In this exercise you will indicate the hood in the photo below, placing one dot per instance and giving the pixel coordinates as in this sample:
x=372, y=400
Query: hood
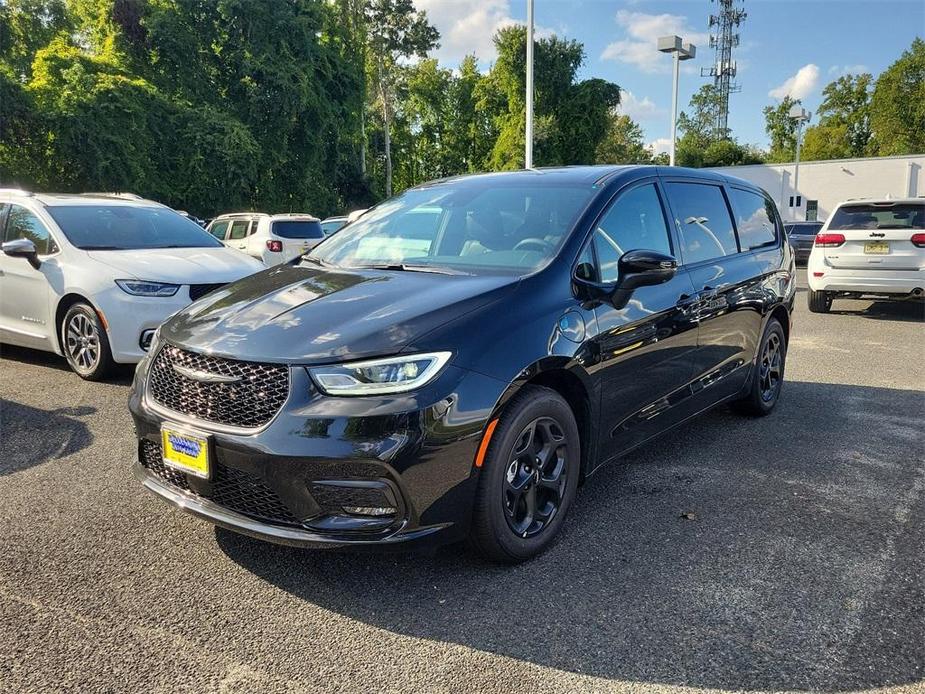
x=180, y=265
x=311, y=315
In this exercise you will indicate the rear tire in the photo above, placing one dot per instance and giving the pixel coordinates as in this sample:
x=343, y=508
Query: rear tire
x=85, y=343
x=819, y=302
x=529, y=477
x=768, y=376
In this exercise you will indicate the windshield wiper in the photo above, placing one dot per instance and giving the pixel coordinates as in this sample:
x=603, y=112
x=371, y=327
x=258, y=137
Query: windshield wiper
x=406, y=267
x=102, y=248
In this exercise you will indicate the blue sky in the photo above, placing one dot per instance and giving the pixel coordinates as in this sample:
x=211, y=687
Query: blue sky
x=787, y=46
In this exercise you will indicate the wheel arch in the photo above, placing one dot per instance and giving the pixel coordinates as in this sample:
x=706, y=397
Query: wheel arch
x=65, y=303
x=570, y=381
x=782, y=315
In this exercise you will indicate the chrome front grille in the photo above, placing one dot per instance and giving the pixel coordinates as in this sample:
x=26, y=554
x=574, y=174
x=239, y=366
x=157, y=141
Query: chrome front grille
x=224, y=391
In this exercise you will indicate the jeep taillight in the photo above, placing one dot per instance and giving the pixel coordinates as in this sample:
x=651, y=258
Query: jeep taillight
x=275, y=246
x=830, y=240
x=918, y=240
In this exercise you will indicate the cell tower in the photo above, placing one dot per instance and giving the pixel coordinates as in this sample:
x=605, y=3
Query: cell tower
x=723, y=38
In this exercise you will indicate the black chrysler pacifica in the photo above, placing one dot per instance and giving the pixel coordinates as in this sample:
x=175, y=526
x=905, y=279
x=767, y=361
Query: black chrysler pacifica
x=455, y=363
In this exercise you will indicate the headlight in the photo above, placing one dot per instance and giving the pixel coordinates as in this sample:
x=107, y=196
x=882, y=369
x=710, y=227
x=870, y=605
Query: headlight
x=379, y=376
x=145, y=288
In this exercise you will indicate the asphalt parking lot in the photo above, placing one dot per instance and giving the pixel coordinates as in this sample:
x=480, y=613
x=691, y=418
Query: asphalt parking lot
x=786, y=553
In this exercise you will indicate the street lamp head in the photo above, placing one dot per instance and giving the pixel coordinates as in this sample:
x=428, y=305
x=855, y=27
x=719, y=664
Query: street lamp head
x=669, y=44
x=688, y=51
x=798, y=113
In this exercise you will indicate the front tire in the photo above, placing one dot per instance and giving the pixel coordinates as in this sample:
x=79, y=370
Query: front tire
x=529, y=477
x=85, y=343
x=819, y=302
x=768, y=377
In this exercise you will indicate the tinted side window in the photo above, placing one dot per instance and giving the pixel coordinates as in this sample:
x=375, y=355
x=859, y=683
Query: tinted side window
x=634, y=221
x=218, y=230
x=238, y=230
x=22, y=224
x=703, y=221
x=754, y=218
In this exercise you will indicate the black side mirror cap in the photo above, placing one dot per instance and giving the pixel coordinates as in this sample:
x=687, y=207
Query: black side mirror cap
x=642, y=268
x=22, y=248
x=638, y=268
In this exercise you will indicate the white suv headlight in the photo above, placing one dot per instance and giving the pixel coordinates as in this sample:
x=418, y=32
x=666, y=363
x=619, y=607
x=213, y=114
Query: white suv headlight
x=146, y=288
x=379, y=376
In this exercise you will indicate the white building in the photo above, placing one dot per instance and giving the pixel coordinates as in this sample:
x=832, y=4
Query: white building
x=823, y=184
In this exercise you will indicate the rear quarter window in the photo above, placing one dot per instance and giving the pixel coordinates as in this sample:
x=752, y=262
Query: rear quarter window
x=755, y=219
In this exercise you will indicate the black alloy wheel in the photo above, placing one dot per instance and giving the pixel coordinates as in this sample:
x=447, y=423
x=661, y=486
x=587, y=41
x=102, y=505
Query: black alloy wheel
x=770, y=367
x=767, y=379
x=529, y=477
x=535, y=478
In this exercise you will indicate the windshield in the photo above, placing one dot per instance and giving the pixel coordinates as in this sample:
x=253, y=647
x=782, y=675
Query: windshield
x=803, y=229
x=879, y=216
x=466, y=224
x=124, y=227
x=298, y=229
x=329, y=226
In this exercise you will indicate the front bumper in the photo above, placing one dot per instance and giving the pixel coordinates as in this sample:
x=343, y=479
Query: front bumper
x=290, y=481
x=295, y=537
x=129, y=316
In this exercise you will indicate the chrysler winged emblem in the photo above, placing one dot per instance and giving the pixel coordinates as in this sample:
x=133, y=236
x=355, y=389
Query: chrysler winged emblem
x=203, y=376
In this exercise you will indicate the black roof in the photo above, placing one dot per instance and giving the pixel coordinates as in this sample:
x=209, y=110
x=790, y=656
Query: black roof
x=600, y=174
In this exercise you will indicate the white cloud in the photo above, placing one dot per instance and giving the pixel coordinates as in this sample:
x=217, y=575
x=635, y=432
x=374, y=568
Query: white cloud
x=661, y=145
x=800, y=85
x=841, y=70
x=467, y=26
x=638, y=109
x=642, y=31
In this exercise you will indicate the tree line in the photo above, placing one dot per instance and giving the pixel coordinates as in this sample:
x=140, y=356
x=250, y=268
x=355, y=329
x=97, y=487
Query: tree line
x=859, y=116
x=216, y=105
x=320, y=106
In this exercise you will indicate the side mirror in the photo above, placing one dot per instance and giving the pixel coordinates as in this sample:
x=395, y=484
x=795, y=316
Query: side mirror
x=639, y=268
x=22, y=248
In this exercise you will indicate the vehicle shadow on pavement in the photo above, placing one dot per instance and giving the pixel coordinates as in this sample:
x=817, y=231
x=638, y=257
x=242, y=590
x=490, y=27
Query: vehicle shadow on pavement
x=121, y=375
x=31, y=436
x=768, y=554
x=907, y=311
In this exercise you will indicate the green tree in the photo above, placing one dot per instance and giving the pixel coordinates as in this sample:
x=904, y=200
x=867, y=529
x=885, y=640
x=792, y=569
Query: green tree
x=623, y=143
x=699, y=145
x=25, y=27
x=781, y=130
x=844, y=121
x=395, y=31
x=570, y=118
x=897, y=106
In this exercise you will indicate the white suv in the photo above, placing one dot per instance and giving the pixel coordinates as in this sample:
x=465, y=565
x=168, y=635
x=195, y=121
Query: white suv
x=870, y=247
x=272, y=239
x=91, y=277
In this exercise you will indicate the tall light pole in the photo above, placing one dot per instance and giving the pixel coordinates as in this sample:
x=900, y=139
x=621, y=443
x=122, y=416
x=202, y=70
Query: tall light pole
x=800, y=115
x=528, y=153
x=681, y=51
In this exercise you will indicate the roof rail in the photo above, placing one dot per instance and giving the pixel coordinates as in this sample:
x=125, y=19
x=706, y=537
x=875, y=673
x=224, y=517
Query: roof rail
x=123, y=196
x=16, y=191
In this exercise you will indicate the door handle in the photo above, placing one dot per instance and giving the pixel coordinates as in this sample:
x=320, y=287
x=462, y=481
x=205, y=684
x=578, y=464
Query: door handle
x=707, y=292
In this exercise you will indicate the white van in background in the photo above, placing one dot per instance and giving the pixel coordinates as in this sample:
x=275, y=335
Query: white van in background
x=91, y=277
x=271, y=239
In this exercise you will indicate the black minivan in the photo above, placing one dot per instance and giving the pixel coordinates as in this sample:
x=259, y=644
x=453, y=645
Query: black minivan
x=456, y=362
